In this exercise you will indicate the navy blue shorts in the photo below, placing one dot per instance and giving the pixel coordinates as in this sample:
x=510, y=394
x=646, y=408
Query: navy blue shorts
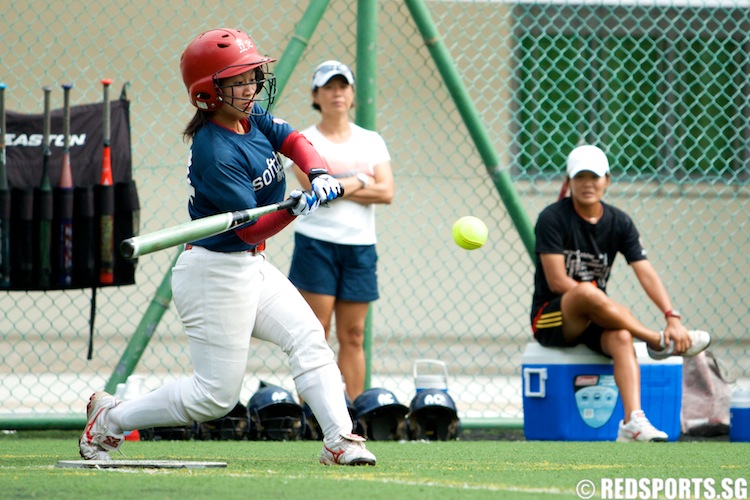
x=347, y=272
x=547, y=326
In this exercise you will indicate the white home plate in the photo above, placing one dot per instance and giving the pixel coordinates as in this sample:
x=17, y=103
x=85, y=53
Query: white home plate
x=137, y=464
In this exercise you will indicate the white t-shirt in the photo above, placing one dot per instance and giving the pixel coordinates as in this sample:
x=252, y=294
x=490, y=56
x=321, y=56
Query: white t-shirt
x=344, y=221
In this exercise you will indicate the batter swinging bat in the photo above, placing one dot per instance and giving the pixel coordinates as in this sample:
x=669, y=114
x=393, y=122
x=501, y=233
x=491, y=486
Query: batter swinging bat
x=136, y=246
x=107, y=200
x=4, y=200
x=45, y=201
x=66, y=199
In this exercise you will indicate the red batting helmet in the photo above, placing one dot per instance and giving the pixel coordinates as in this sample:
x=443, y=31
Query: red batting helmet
x=216, y=54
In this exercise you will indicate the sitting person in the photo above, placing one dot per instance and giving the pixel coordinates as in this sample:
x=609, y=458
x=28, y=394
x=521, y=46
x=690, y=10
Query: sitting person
x=577, y=239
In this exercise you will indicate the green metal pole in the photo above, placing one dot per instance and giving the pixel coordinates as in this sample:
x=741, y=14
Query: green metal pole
x=298, y=43
x=367, y=32
x=366, y=113
x=144, y=332
x=452, y=79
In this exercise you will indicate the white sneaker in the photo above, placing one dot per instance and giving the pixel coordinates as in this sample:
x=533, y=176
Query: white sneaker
x=700, y=341
x=348, y=449
x=97, y=439
x=639, y=428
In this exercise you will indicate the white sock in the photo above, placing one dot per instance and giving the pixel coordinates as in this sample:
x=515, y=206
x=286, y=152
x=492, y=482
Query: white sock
x=159, y=408
x=321, y=388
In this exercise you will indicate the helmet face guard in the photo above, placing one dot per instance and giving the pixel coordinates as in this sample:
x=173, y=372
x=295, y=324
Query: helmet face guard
x=219, y=54
x=384, y=424
x=433, y=416
x=265, y=90
x=280, y=422
x=380, y=416
x=433, y=424
x=274, y=414
x=231, y=427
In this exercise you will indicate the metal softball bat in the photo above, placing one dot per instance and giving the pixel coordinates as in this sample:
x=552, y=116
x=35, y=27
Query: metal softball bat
x=197, y=229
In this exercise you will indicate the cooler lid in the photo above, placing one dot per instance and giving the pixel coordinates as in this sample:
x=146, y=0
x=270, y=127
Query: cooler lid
x=740, y=398
x=536, y=354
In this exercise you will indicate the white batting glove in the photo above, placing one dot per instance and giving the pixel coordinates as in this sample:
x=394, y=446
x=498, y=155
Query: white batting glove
x=307, y=202
x=327, y=188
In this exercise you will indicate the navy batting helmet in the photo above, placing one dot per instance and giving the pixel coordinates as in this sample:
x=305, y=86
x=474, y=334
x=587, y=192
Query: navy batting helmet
x=232, y=426
x=274, y=414
x=433, y=416
x=380, y=415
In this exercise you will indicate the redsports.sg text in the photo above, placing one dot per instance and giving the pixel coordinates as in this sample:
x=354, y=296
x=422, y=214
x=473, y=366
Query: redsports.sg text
x=624, y=488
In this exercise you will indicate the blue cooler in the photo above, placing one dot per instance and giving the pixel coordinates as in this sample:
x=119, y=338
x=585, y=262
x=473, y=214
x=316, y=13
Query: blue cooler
x=569, y=394
x=739, y=416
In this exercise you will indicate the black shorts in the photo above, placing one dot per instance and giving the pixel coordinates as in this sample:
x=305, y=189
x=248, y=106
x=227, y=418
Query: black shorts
x=546, y=323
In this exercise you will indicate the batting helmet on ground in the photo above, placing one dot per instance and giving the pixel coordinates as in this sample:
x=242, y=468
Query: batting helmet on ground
x=381, y=416
x=274, y=414
x=232, y=426
x=433, y=416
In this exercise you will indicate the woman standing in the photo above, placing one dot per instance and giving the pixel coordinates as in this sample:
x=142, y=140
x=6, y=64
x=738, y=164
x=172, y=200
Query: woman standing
x=334, y=264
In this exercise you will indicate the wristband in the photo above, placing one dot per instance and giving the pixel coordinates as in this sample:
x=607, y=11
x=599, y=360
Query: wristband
x=362, y=178
x=672, y=313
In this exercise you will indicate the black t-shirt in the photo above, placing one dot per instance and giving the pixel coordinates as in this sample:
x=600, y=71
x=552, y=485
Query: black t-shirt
x=589, y=249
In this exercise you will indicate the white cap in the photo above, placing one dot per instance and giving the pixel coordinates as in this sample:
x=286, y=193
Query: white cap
x=588, y=158
x=327, y=70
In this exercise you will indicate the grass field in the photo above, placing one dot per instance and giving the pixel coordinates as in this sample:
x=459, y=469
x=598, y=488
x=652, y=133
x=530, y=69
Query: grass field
x=496, y=469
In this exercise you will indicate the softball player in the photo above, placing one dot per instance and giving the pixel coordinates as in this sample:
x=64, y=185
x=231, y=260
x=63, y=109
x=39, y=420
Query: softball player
x=223, y=287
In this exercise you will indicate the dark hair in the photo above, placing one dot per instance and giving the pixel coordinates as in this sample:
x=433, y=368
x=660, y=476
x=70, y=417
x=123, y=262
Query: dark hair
x=199, y=119
x=315, y=105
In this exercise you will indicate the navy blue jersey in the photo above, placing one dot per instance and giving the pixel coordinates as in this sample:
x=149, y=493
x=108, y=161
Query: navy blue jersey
x=589, y=249
x=230, y=171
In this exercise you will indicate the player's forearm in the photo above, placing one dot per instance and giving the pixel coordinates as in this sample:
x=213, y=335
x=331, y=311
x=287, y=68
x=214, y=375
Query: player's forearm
x=373, y=193
x=267, y=226
x=652, y=285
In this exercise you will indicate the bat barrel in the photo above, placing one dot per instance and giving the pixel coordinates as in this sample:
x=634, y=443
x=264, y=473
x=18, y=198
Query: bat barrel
x=106, y=82
x=136, y=246
x=66, y=113
x=198, y=229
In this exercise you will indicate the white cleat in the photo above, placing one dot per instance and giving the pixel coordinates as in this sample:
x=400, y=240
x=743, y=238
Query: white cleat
x=97, y=439
x=348, y=449
x=639, y=429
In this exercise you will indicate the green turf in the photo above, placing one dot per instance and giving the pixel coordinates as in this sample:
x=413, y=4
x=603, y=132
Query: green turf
x=413, y=470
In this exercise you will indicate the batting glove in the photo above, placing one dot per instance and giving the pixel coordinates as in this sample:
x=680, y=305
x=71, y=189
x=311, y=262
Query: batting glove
x=327, y=188
x=307, y=202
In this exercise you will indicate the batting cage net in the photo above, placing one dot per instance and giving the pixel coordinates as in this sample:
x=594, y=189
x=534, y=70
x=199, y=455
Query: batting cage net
x=479, y=103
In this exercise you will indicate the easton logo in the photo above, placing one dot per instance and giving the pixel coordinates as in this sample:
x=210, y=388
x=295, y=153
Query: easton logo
x=36, y=140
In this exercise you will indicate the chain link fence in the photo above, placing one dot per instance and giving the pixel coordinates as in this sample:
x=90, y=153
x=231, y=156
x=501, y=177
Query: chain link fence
x=662, y=87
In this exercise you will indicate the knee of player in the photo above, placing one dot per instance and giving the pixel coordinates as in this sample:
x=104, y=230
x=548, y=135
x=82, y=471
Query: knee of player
x=214, y=408
x=623, y=338
x=587, y=292
x=619, y=343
